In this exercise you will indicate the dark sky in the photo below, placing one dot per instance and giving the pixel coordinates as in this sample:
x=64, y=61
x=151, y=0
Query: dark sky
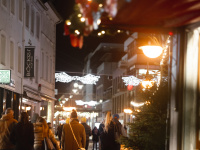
x=71, y=59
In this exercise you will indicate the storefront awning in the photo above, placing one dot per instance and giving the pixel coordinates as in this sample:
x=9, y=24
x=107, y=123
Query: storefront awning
x=137, y=15
x=32, y=96
x=47, y=97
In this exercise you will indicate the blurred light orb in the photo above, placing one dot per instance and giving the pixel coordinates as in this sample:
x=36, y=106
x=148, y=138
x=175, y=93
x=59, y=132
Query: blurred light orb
x=147, y=84
x=152, y=51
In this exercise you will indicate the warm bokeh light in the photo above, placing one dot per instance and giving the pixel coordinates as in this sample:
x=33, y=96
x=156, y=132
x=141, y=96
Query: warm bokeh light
x=68, y=22
x=69, y=108
x=128, y=111
x=82, y=19
x=99, y=21
x=147, y=84
x=79, y=15
x=152, y=51
x=137, y=104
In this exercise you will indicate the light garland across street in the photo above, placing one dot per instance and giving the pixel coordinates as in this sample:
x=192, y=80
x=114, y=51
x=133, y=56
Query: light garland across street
x=131, y=80
x=87, y=79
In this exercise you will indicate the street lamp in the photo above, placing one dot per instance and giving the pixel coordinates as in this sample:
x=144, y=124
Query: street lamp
x=152, y=51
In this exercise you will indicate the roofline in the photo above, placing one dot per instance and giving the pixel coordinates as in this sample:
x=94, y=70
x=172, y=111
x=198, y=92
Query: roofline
x=56, y=12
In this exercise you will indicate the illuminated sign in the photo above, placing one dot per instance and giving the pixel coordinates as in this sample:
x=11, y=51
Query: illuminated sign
x=5, y=76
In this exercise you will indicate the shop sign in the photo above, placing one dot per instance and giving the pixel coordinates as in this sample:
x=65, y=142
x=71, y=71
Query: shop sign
x=29, y=62
x=5, y=76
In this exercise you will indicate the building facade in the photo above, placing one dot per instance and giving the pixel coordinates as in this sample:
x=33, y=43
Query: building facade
x=28, y=39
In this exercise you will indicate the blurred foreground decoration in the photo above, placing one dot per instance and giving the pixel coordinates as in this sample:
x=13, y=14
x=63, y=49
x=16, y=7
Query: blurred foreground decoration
x=129, y=16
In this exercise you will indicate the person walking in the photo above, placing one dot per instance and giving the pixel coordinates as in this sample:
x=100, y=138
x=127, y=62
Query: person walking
x=73, y=134
x=119, y=129
x=95, y=137
x=87, y=131
x=22, y=135
x=7, y=122
x=59, y=132
x=107, y=136
x=42, y=131
x=101, y=129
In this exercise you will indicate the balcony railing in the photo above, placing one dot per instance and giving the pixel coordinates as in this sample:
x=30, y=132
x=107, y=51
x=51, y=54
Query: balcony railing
x=123, y=64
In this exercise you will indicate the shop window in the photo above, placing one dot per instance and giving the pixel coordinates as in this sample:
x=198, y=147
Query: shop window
x=37, y=25
x=47, y=69
x=51, y=65
x=43, y=66
x=32, y=20
x=4, y=2
x=27, y=15
x=19, y=60
x=36, y=73
x=11, y=55
x=12, y=6
x=20, y=9
x=3, y=49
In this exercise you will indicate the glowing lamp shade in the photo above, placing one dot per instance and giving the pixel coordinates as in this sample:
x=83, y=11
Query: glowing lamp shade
x=152, y=51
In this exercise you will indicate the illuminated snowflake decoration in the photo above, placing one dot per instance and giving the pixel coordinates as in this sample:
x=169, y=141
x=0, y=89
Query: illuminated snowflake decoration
x=89, y=79
x=131, y=80
x=63, y=77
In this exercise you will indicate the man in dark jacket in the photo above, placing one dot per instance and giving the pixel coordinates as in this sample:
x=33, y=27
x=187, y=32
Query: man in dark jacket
x=7, y=122
x=59, y=132
x=87, y=131
x=118, y=128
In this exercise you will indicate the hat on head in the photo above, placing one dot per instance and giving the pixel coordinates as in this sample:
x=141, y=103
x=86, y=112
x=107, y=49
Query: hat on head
x=73, y=114
x=116, y=116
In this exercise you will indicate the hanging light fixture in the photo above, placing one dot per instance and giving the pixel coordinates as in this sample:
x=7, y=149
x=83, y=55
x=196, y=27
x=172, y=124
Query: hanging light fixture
x=151, y=51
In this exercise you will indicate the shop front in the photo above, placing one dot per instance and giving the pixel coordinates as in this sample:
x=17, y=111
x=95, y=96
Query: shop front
x=185, y=89
x=9, y=98
x=37, y=103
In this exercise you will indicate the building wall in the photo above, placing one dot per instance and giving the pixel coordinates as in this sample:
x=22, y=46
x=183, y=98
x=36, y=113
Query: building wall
x=29, y=23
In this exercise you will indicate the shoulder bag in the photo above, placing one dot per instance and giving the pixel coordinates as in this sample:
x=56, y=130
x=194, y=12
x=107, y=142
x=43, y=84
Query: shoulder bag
x=48, y=143
x=75, y=138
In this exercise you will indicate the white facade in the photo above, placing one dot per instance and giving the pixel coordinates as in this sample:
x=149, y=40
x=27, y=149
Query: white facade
x=29, y=23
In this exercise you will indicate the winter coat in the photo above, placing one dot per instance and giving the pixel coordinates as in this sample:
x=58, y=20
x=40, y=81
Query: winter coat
x=108, y=138
x=59, y=131
x=40, y=132
x=23, y=136
x=7, y=123
x=88, y=131
x=95, y=135
x=67, y=139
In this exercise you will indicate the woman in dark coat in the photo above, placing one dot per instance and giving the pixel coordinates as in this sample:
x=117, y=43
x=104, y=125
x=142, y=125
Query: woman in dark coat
x=107, y=136
x=22, y=135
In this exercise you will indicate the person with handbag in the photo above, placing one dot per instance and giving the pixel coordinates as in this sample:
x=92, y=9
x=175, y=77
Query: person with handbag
x=44, y=138
x=73, y=134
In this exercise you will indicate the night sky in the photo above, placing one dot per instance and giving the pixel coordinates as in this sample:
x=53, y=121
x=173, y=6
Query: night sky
x=69, y=59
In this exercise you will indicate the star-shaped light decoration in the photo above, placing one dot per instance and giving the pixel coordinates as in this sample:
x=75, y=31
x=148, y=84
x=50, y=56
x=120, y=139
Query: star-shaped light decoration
x=131, y=80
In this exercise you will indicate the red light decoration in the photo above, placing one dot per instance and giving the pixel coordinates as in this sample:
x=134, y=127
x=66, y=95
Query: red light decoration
x=130, y=87
x=171, y=33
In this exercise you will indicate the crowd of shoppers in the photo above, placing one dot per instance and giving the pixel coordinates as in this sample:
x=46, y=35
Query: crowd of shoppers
x=26, y=135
